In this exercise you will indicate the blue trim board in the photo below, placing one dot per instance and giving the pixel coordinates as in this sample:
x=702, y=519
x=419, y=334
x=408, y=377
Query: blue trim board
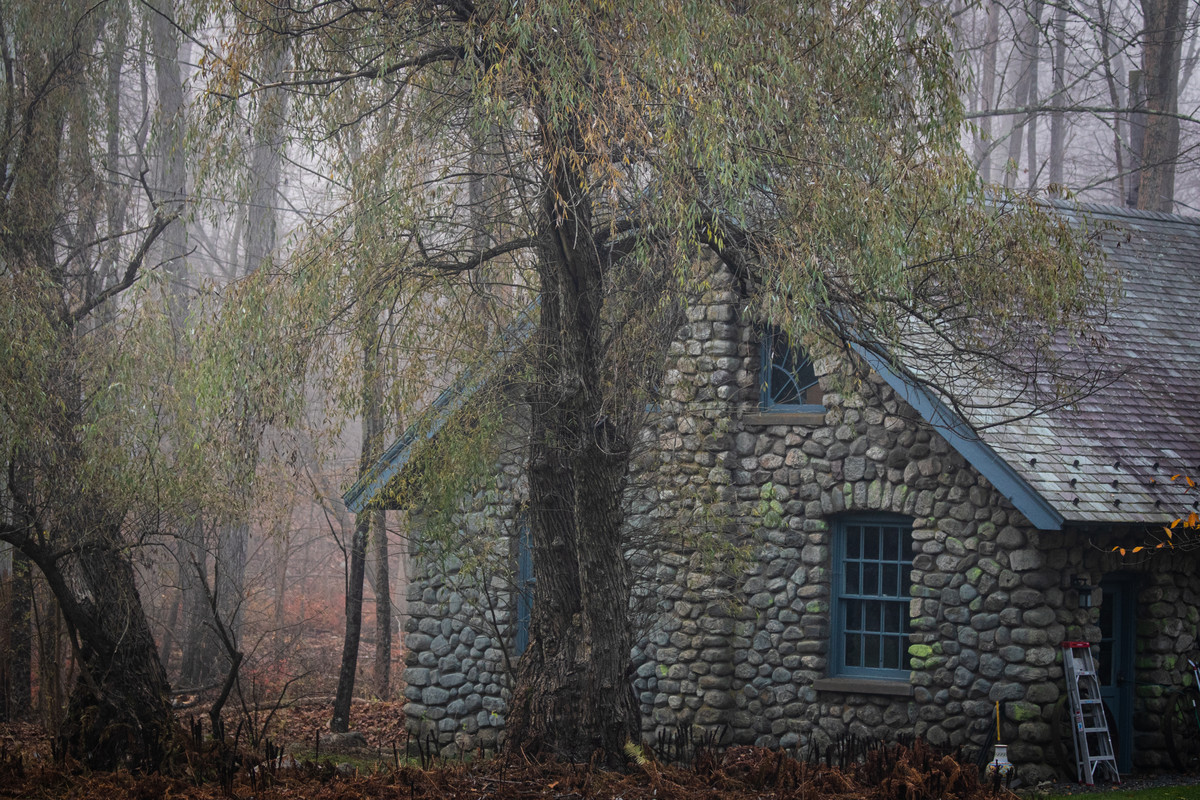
x=400, y=453
x=434, y=418
x=978, y=454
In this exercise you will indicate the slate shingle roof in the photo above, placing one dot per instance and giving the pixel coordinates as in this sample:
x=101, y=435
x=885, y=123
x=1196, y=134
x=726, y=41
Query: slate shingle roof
x=1107, y=460
x=1110, y=458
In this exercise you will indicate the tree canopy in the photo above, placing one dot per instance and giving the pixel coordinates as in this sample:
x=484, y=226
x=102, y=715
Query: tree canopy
x=586, y=153
x=472, y=158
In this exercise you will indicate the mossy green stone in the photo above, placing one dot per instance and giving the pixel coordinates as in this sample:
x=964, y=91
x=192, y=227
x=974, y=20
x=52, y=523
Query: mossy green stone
x=1162, y=610
x=1022, y=711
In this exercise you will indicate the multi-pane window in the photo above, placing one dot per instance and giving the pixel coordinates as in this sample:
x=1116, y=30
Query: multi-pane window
x=872, y=568
x=789, y=382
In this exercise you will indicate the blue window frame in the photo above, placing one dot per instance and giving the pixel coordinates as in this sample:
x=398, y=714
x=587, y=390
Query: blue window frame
x=789, y=382
x=525, y=582
x=872, y=557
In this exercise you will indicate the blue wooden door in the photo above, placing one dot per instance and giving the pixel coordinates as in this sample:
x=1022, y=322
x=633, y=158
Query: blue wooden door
x=525, y=581
x=1118, y=606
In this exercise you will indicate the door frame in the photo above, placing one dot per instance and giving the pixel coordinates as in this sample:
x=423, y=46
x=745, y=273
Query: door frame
x=1119, y=646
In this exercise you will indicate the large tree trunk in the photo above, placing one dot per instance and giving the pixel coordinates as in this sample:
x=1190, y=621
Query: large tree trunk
x=1058, y=122
x=233, y=541
x=265, y=175
x=987, y=92
x=1025, y=91
x=18, y=652
x=1162, y=42
x=1112, y=76
x=119, y=713
x=354, y=597
x=572, y=696
x=383, y=605
x=172, y=168
x=377, y=520
x=63, y=518
x=283, y=555
x=1034, y=167
x=358, y=547
x=199, y=662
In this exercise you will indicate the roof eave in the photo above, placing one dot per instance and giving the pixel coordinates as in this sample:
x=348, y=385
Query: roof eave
x=963, y=439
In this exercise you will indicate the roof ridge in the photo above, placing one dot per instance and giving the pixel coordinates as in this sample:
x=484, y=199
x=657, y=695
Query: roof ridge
x=1120, y=211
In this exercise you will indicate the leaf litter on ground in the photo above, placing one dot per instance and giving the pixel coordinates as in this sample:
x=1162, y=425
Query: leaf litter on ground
x=895, y=772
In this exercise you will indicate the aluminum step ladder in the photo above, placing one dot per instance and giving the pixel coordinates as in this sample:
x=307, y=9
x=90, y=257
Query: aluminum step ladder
x=1093, y=744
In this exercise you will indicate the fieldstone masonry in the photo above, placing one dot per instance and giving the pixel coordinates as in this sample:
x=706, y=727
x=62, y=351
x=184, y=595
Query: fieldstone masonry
x=462, y=612
x=729, y=515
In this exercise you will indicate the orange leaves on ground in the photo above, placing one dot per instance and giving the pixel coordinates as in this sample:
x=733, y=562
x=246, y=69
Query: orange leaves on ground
x=892, y=772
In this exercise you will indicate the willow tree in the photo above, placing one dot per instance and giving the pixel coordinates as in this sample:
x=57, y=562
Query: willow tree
x=594, y=149
x=109, y=437
x=70, y=422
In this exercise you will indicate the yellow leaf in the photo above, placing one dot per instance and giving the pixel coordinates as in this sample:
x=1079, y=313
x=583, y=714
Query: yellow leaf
x=1139, y=547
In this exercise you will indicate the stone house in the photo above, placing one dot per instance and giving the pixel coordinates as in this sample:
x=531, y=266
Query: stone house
x=892, y=572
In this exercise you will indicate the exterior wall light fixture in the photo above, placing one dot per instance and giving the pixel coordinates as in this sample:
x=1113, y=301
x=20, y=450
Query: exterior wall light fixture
x=1080, y=585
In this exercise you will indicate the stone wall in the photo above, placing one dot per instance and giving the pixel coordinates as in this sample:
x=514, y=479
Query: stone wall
x=1168, y=627
x=729, y=515
x=461, y=619
x=1167, y=616
x=749, y=655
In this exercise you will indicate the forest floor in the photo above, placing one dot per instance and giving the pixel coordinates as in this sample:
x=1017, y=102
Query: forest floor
x=299, y=770
x=382, y=771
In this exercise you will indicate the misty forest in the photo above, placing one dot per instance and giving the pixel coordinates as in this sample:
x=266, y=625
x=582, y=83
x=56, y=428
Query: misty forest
x=246, y=246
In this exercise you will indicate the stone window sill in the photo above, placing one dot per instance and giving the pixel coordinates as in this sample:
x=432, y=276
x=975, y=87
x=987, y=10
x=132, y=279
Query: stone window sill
x=783, y=418
x=864, y=686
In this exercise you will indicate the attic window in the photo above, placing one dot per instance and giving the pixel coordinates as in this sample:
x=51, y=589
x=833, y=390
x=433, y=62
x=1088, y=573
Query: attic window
x=788, y=380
